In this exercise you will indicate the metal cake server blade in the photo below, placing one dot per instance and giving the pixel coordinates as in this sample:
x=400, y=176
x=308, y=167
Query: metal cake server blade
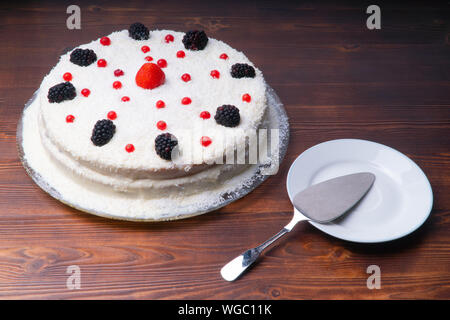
x=322, y=202
x=328, y=200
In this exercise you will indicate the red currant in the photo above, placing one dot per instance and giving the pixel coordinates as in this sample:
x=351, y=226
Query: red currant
x=205, y=115
x=125, y=99
x=117, y=84
x=67, y=76
x=186, y=77
x=101, y=63
x=148, y=58
x=129, y=148
x=85, y=92
x=161, y=125
x=112, y=115
x=70, y=118
x=205, y=141
x=181, y=54
x=246, y=97
x=215, y=74
x=162, y=63
x=186, y=100
x=224, y=56
x=145, y=49
x=105, y=41
x=160, y=104
x=169, y=38
x=118, y=72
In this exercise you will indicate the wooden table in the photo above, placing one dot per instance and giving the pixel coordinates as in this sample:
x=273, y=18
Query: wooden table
x=337, y=79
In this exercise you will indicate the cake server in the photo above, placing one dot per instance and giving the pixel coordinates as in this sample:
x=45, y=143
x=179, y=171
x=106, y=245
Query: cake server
x=322, y=203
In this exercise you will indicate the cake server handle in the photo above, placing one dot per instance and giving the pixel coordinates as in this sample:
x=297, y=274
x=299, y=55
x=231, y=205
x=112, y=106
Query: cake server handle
x=233, y=269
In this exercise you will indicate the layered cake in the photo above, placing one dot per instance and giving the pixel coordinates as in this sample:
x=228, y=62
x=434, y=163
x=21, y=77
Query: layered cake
x=141, y=109
x=152, y=125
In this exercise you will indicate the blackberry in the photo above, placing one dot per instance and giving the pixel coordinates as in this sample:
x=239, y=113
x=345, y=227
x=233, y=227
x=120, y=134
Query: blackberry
x=103, y=132
x=242, y=70
x=138, y=31
x=195, y=40
x=227, y=116
x=60, y=92
x=83, y=57
x=164, y=144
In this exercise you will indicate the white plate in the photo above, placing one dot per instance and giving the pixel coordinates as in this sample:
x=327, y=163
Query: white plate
x=398, y=203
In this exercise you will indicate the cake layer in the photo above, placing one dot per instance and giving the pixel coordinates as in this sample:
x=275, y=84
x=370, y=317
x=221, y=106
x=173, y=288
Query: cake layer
x=136, y=121
x=185, y=185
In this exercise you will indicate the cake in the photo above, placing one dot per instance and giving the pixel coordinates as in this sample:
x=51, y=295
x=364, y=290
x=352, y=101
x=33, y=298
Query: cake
x=116, y=110
x=152, y=125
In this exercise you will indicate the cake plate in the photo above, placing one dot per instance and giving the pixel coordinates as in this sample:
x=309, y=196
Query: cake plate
x=245, y=183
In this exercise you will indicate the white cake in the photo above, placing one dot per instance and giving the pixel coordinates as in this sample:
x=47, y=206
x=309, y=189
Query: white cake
x=129, y=160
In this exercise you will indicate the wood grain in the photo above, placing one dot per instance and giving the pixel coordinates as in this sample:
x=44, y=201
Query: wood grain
x=337, y=80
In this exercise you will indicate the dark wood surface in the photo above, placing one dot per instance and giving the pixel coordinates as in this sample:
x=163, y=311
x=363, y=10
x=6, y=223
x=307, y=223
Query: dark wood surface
x=337, y=79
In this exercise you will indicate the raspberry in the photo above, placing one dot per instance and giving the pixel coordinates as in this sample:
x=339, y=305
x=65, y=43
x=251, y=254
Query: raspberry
x=227, y=116
x=150, y=76
x=138, y=31
x=165, y=143
x=61, y=92
x=103, y=132
x=242, y=70
x=195, y=40
x=83, y=57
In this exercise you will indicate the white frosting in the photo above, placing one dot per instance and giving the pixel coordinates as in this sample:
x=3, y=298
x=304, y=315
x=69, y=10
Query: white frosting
x=120, y=183
x=136, y=119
